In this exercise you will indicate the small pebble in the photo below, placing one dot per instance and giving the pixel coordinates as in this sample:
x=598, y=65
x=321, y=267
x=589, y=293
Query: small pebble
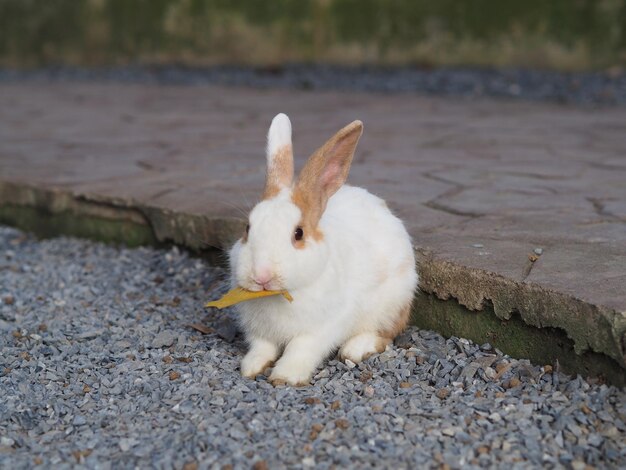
x=163, y=339
x=342, y=423
x=260, y=465
x=514, y=382
x=79, y=420
x=126, y=444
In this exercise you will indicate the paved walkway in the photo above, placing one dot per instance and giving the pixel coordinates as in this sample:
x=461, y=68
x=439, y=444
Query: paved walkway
x=481, y=185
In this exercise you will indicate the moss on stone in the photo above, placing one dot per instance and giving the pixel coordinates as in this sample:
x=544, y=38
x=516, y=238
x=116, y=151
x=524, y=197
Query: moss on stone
x=46, y=224
x=513, y=336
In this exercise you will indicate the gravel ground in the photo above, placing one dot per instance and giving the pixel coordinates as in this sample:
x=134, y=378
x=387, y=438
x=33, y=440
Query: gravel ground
x=586, y=88
x=99, y=366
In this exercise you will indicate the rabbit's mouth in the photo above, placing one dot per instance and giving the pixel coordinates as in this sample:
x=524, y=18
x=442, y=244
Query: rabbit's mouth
x=256, y=285
x=266, y=287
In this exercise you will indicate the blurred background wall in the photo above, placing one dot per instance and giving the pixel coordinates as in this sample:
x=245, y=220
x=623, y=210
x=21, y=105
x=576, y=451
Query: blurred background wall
x=553, y=34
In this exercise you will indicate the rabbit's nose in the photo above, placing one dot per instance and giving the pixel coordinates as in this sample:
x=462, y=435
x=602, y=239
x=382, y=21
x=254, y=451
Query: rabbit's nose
x=263, y=276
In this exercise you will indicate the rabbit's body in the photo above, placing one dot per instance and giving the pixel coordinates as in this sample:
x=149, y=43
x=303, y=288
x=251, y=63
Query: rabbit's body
x=362, y=284
x=352, y=282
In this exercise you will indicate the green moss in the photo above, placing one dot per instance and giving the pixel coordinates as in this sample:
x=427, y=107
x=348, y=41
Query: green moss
x=46, y=224
x=514, y=337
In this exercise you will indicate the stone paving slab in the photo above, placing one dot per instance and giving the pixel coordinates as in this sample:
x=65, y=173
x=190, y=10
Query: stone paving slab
x=480, y=184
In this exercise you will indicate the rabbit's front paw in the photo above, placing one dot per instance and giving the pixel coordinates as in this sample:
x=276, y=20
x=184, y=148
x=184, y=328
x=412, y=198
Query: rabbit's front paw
x=254, y=364
x=262, y=355
x=290, y=372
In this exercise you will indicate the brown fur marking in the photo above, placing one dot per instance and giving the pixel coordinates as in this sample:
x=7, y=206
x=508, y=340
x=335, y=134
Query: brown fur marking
x=381, y=344
x=402, y=319
x=308, y=221
x=279, y=171
x=324, y=173
x=277, y=382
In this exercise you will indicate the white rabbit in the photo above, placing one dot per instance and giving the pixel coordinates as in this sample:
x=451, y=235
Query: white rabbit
x=345, y=258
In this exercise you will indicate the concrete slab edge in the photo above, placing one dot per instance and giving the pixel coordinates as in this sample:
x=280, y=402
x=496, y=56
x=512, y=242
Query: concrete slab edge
x=591, y=327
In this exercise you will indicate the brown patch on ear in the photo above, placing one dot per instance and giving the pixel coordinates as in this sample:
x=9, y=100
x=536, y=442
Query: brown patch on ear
x=324, y=173
x=402, y=319
x=279, y=171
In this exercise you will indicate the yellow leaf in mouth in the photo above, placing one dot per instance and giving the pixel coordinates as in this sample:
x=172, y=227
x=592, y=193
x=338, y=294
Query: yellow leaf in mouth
x=239, y=294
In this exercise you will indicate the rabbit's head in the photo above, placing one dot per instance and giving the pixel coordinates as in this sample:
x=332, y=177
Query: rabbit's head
x=284, y=246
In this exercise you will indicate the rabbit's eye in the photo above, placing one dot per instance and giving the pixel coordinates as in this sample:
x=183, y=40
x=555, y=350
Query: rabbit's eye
x=247, y=229
x=298, y=234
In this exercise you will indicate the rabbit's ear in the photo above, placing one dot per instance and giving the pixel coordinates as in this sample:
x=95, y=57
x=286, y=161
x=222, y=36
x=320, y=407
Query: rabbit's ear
x=279, y=157
x=326, y=171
